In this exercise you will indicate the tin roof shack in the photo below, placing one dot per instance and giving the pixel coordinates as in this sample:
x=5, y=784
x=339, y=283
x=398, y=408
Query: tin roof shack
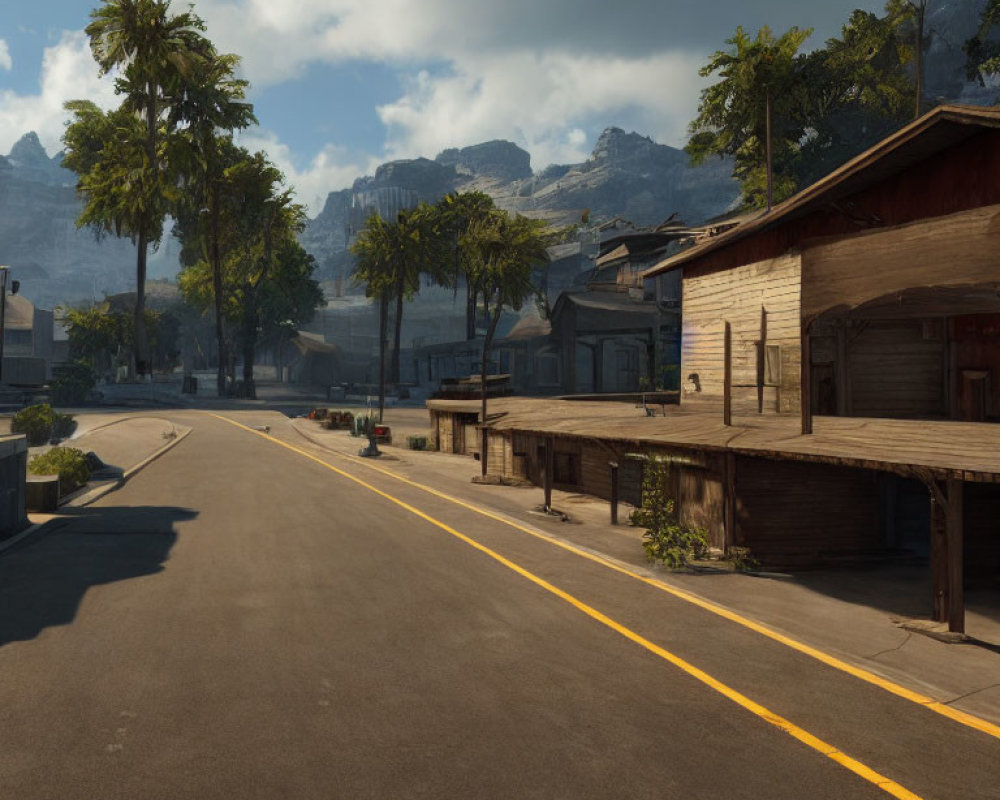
x=28, y=335
x=619, y=334
x=871, y=294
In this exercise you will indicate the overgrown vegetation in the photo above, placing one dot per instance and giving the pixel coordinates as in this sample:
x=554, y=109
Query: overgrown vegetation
x=665, y=539
x=74, y=385
x=40, y=423
x=827, y=105
x=68, y=463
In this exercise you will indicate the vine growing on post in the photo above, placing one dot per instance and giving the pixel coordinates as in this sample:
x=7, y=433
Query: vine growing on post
x=665, y=539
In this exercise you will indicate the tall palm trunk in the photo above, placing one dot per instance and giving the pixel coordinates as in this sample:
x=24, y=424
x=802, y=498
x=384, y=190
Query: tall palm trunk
x=142, y=365
x=398, y=325
x=250, y=321
x=383, y=328
x=470, y=310
x=487, y=344
x=140, y=344
x=220, y=376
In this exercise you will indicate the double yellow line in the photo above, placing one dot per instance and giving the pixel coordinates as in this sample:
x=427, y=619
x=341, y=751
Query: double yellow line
x=817, y=744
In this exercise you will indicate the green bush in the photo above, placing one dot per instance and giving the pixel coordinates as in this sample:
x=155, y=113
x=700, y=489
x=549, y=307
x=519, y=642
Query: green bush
x=36, y=422
x=68, y=463
x=665, y=540
x=74, y=386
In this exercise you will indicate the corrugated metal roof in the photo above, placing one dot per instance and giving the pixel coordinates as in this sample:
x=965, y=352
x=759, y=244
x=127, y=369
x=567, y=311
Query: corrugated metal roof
x=937, y=130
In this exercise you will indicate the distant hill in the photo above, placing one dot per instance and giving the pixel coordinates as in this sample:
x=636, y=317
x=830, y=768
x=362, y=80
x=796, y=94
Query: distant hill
x=627, y=175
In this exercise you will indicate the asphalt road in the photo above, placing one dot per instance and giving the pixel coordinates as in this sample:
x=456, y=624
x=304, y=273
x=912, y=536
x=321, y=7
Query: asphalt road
x=241, y=621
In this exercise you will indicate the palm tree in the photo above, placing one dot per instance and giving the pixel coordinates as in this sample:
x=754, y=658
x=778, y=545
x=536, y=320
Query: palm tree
x=457, y=212
x=155, y=54
x=375, y=249
x=509, y=249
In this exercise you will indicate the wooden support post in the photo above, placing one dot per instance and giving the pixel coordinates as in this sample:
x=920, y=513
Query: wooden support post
x=805, y=399
x=483, y=452
x=729, y=502
x=549, y=463
x=727, y=379
x=614, y=491
x=956, y=547
x=938, y=554
x=761, y=360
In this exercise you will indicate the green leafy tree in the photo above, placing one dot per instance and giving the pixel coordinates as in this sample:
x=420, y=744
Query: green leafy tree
x=257, y=221
x=982, y=51
x=850, y=94
x=128, y=159
x=756, y=74
x=507, y=252
x=910, y=18
x=376, y=250
x=457, y=212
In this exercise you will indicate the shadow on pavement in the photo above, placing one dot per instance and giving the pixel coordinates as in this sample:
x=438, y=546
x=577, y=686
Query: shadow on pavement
x=43, y=583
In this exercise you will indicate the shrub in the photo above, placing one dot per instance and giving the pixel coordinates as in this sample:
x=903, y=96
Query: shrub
x=73, y=386
x=68, y=463
x=36, y=422
x=40, y=423
x=665, y=540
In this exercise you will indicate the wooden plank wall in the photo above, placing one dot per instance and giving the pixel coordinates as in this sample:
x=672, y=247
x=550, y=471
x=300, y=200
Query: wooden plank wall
x=434, y=444
x=895, y=371
x=445, y=432
x=982, y=535
x=798, y=515
x=736, y=296
x=955, y=250
x=498, y=453
x=700, y=499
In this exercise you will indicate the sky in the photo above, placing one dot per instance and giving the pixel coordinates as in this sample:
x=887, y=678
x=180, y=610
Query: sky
x=340, y=86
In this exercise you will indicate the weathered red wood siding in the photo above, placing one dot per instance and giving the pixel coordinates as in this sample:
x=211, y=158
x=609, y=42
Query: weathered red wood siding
x=798, y=515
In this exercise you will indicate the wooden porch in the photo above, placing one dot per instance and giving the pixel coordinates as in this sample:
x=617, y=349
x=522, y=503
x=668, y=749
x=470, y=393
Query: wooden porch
x=944, y=456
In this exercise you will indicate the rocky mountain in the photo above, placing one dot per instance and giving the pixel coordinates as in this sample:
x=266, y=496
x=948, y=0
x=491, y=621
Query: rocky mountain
x=56, y=262
x=627, y=175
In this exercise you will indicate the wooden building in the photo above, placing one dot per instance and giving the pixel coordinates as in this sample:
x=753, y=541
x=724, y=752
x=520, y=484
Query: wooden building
x=838, y=369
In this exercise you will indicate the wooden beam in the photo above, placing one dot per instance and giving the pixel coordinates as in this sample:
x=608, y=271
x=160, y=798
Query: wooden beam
x=805, y=398
x=954, y=531
x=727, y=380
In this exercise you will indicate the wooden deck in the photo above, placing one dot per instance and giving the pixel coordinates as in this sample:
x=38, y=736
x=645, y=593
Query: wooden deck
x=962, y=450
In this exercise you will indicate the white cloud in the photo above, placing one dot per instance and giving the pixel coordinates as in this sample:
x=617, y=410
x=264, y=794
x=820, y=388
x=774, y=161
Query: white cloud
x=540, y=102
x=6, y=62
x=68, y=73
x=329, y=170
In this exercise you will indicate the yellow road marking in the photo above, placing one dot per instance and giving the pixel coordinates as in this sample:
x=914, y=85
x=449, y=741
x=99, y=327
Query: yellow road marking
x=954, y=714
x=793, y=730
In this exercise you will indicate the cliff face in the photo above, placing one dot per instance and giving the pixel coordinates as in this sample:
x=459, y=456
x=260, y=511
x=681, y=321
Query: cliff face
x=56, y=262
x=626, y=175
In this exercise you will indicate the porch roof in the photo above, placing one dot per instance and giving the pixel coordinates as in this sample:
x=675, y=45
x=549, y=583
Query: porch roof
x=965, y=450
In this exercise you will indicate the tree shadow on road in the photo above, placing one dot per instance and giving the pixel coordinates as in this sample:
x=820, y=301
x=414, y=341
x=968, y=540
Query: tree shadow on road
x=43, y=582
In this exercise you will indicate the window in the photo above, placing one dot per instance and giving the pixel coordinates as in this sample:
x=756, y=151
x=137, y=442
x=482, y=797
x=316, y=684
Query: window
x=772, y=365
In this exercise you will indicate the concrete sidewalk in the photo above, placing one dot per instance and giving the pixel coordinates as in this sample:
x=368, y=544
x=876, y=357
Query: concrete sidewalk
x=864, y=617
x=125, y=442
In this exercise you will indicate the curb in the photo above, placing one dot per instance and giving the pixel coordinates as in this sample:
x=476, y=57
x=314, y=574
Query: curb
x=79, y=500
x=83, y=498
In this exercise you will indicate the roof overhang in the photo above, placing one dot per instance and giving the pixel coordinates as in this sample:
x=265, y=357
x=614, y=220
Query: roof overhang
x=939, y=129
